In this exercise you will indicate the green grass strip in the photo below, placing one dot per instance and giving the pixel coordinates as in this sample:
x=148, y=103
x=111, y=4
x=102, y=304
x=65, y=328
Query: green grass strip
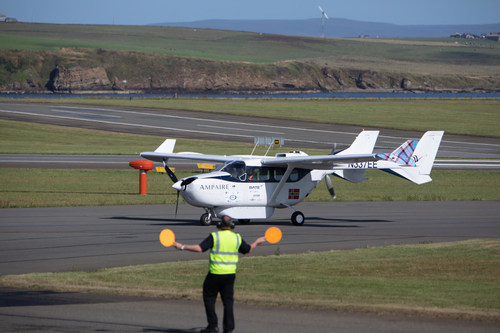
x=29, y=187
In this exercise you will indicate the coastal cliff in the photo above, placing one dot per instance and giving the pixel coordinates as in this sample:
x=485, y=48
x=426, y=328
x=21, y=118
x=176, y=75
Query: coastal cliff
x=98, y=71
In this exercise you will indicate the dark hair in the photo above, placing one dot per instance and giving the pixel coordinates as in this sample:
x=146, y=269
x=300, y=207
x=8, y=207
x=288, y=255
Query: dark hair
x=226, y=222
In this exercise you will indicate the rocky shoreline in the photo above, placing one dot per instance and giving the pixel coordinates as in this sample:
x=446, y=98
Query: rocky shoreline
x=105, y=72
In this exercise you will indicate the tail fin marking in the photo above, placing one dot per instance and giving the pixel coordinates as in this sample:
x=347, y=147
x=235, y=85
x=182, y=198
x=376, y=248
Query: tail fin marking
x=403, y=154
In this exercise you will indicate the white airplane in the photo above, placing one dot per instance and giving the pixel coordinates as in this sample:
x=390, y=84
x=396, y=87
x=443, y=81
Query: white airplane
x=251, y=187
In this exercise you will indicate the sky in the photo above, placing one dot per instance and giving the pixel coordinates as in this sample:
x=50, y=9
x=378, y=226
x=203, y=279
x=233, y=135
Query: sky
x=142, y=12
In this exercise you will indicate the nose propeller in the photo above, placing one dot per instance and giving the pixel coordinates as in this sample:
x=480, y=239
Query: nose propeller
x=174, y=179
x=181, y=185
x=170, y=173
x=188, y=181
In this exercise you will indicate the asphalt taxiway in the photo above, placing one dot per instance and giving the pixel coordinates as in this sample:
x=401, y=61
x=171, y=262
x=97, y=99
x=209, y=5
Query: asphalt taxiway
x=89, y=238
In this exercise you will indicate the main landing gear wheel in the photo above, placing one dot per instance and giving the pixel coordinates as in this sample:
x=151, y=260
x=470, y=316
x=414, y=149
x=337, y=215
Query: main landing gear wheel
x=206, y=219
x=244, y=221
x=298, y=218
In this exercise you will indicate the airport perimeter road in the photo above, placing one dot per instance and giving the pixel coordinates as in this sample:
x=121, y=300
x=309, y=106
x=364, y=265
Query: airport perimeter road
x=88, y=238
x=213, y=126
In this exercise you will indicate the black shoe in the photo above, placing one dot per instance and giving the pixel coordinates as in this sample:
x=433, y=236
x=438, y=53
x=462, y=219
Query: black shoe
x=226, y=331
x=209, y=330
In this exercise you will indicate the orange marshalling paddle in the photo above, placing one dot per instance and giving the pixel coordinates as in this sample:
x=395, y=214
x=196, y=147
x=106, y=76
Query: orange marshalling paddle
x=273, y=235
x=167, y=237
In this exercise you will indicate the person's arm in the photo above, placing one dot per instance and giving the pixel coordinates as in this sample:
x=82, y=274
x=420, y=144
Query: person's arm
x=192, y=248
x=257, y=242
x=206, y=244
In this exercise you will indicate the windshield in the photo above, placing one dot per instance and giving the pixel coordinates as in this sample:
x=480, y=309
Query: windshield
x=236, y=169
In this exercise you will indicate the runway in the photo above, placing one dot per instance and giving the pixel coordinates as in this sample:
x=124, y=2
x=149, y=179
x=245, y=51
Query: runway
x=213, y=126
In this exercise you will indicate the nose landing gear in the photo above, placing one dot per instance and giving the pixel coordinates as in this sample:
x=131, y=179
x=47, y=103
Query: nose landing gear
x=206, y=219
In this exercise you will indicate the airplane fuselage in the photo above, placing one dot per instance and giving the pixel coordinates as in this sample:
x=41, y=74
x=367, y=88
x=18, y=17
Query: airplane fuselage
x=239, y=184
x=213, y=192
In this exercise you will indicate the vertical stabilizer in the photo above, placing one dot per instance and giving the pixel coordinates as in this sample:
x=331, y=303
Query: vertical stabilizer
x=166, y=147
x=426, y=151
x=363, y=144
x=415, y=158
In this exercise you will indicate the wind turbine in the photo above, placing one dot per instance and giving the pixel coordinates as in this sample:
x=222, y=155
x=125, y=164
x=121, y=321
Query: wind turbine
x=323, y=18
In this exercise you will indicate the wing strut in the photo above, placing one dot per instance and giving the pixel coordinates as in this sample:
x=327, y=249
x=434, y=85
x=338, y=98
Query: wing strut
x=282, y=182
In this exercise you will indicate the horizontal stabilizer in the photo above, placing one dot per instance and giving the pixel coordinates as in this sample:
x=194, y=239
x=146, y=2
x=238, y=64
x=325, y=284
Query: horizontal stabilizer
x=354, y=176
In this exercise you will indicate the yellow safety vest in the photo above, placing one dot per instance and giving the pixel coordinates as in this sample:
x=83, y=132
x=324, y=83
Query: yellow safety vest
x=224, y=253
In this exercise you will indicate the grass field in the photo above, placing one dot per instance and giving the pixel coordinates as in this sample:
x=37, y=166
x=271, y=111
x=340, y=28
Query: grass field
x=27, y=187
x=458, y=280
x=479, y=58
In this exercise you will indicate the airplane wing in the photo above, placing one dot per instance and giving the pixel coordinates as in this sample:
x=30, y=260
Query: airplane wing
x=166, y=151
x=320, y=162
x=359, y=151
x=160, y=157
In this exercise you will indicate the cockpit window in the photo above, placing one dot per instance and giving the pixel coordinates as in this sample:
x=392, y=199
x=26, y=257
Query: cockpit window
x=272, y=174
x=236, y=169
x=240, y=172
x=259, y=174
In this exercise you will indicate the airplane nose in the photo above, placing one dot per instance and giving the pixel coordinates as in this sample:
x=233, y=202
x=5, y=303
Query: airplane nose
x=178, y=185
x=181, y=184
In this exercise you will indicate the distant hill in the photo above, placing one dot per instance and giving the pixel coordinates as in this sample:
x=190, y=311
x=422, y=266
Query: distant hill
x=337, y=27
x=107, y=58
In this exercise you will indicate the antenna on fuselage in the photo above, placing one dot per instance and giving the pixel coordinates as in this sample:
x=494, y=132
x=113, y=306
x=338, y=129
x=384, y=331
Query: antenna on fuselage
x=267, y=141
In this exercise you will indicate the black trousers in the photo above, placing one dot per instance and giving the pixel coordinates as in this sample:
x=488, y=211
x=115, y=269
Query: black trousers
x=223, y=284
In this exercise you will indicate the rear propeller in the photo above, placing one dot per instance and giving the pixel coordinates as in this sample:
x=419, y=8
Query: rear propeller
x=329, y=186
x=328, y=180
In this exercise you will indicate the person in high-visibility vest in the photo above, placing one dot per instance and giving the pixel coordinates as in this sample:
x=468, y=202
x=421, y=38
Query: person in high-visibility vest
x=224, y=247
